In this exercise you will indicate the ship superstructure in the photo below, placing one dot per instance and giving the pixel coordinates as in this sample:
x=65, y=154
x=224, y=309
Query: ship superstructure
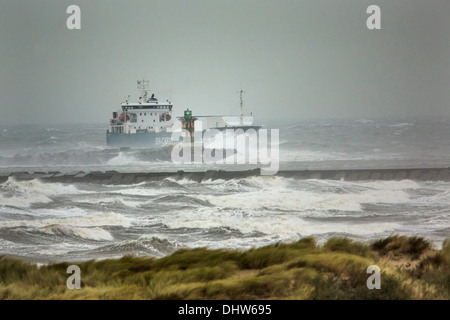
x=145, y=123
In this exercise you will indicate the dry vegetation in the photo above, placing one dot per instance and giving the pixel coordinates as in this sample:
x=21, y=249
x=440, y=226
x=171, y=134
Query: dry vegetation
x=410, y=269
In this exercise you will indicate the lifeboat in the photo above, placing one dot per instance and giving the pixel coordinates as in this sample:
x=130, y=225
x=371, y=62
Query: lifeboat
x=122, y=117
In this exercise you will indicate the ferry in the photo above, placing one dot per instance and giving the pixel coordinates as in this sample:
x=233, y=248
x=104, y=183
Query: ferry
x=149, y=123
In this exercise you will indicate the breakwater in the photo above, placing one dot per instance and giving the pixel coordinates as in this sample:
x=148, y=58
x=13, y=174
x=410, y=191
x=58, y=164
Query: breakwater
x=115, y=177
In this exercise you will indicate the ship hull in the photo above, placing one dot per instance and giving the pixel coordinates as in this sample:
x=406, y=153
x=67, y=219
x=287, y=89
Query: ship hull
x=148, y=140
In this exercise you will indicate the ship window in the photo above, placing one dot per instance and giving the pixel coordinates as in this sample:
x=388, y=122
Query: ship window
x=145, y=113
x=151, y=114
x=153, y=120
x=140, y=114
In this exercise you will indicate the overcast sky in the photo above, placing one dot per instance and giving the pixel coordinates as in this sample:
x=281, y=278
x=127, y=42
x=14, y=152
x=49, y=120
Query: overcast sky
x=295, y=59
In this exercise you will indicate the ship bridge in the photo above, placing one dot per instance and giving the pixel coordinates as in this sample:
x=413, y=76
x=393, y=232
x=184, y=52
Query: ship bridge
x=127, y=107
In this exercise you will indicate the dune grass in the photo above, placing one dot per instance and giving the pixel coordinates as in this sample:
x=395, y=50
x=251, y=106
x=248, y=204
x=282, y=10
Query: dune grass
x=410, y=269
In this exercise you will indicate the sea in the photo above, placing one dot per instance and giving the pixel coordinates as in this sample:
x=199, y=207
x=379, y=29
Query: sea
x=50, y=222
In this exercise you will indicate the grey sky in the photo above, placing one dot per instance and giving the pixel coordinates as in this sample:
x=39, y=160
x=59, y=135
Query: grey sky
x=295, y=59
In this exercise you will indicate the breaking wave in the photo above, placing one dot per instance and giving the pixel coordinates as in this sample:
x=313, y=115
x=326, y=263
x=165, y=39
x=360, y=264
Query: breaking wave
x=143, y=246
x=277, y=226
x=91, y=220
x=94, y=233
x=123, y=159
x=277, y=195
x=24, y=193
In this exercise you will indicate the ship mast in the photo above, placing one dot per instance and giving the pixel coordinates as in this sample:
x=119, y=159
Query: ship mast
x=242, y=105
x=144, y=85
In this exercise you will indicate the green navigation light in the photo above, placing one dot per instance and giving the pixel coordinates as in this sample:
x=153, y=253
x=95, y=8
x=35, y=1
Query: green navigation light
x=188, y=115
